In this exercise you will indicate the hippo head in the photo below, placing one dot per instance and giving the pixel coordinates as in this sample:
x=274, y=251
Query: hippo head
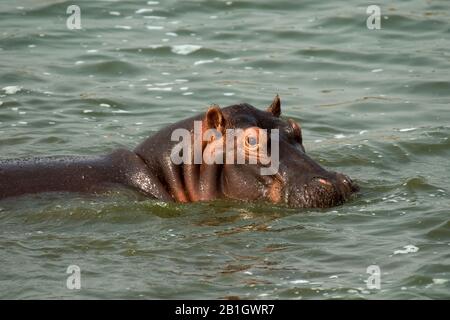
x=295, y=180
x=299, y=181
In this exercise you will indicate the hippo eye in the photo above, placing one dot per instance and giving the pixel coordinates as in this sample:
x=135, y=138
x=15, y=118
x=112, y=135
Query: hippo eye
x=251, y=142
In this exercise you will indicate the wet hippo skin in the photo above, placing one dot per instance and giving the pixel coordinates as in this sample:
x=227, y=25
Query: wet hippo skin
x=149, y=169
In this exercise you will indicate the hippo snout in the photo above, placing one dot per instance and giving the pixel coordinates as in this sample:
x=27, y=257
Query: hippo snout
x=320, y=191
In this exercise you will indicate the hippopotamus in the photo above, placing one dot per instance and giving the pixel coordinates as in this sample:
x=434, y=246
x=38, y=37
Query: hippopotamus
x=298, y=182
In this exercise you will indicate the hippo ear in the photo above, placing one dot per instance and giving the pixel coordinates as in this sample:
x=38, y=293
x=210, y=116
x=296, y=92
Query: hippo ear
x=275, y=107
x=214, y=119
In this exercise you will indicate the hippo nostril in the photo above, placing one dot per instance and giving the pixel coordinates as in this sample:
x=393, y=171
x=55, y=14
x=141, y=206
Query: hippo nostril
x=348, y=185
x=344, y=179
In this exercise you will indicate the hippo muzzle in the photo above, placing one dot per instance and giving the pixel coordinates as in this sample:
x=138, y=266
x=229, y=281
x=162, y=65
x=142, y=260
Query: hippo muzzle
x=319, y=191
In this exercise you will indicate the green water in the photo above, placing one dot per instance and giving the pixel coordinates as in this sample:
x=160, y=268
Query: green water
x=373, y=104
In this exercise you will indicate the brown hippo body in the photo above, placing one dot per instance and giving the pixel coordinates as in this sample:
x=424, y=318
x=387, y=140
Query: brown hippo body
x=78, y=174
x=149, y=169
